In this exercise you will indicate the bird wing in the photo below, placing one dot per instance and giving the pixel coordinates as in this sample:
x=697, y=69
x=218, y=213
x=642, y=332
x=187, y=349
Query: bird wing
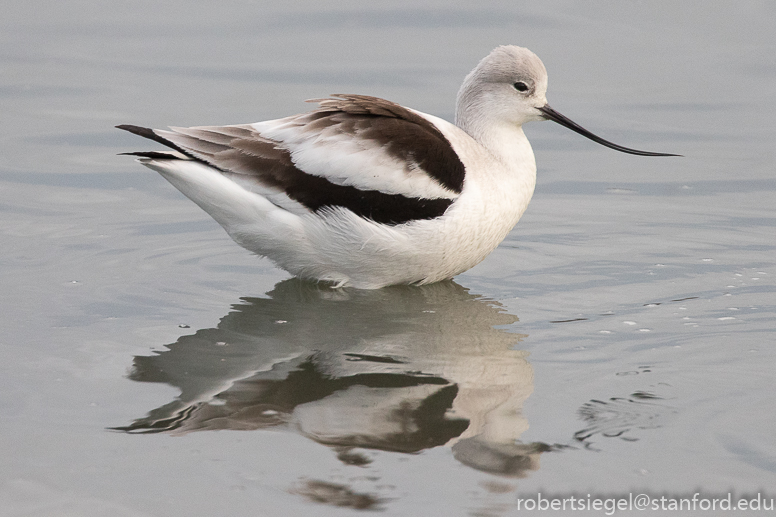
x=376, y=158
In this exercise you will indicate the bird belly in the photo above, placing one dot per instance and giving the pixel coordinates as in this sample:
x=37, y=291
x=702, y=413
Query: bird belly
x=336, y=245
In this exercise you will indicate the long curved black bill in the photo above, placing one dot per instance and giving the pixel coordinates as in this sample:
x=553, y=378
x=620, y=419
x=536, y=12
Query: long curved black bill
x=551, y=114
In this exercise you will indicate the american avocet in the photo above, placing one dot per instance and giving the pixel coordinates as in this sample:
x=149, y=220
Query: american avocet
x=367, y=193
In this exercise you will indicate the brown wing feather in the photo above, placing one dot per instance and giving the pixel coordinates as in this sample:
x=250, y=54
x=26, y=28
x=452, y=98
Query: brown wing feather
x=243, y=151
x=400, y=131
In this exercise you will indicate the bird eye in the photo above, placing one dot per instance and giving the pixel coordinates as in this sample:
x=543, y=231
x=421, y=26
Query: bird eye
x=520, y=86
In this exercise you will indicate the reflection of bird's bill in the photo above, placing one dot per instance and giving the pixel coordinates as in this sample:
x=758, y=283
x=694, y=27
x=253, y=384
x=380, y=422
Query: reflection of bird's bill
x=508, y=459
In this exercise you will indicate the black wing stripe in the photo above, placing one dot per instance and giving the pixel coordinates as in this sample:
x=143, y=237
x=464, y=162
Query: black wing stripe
x=155, y=155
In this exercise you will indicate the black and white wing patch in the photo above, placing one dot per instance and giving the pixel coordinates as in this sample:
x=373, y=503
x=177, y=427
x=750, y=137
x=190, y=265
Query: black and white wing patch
x=368, y=155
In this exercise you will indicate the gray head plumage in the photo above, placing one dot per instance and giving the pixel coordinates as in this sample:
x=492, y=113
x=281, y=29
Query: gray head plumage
x=488, y=93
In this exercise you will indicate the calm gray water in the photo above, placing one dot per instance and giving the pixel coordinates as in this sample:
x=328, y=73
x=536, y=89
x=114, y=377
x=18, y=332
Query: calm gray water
x=622, y=339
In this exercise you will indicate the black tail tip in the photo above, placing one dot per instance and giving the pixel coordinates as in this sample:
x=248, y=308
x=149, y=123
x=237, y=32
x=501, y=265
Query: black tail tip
x=138, y=130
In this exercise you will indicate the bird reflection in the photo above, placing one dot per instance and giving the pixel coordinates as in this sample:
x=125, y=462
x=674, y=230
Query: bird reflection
x=401, y=369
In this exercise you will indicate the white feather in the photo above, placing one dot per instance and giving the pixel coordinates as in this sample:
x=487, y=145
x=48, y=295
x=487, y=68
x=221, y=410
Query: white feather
x=355, y=162
x=335, y=244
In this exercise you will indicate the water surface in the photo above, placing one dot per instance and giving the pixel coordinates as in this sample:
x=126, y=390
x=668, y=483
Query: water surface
x=621, y=338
